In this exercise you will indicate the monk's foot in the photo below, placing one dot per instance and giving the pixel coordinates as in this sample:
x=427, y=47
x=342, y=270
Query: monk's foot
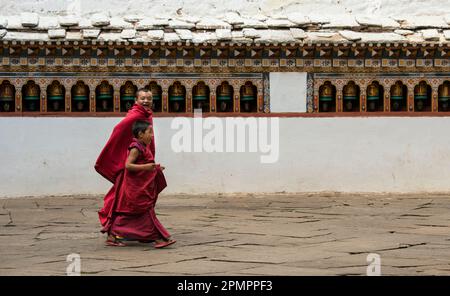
x=164, y=243
x=115, y=241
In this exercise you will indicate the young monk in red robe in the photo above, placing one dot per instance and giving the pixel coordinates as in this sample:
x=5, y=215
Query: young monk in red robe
x=111, y=165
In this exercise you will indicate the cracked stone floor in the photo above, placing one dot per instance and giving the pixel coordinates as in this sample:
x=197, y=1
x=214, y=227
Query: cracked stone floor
x=308, y=234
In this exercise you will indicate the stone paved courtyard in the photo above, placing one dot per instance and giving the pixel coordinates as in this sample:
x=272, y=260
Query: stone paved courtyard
x=309, y=234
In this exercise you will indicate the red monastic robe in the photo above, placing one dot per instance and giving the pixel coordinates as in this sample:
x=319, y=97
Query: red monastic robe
x=111, y=165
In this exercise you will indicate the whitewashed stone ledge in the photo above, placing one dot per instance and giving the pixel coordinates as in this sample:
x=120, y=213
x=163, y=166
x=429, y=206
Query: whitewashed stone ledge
x=29, y=19
x=100, y=19
x=212, y=24
x=132, y=18
x=108, y=36
x=403, y=32
x=148, y=24
x=171, y=37
x=26, y=36
x=177, y=24
x=372, y=37
x=275, y=36
x=299, y=19
x=155, y=35
x=184, y=34
x=189, y=19
x=48, y=22
x=198, y=38
x=223, y=34
x=251, y=23
x=347, y=21
x=128, y=34
x=376, y=21
x=72, y=36
x=423, y=22
x=350, y=35
x=250, y=33
x=57, y=33
x=161, y=21
x=91, y=33
x=233, y=18
x=430, y=35
x=298, y=33
x=277, y=23
x=118, y=23
x=68, y=21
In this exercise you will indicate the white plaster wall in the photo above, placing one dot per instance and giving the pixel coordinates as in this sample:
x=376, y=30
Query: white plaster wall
x=53, y=156
x=287, y=92
x=216, y=8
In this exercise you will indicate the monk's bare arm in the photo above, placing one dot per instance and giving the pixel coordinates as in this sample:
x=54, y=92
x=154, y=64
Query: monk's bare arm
x=133, y=167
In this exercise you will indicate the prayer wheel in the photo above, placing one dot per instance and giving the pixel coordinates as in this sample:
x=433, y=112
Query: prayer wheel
x=80, y=96
x=6, y=97
x=157, y=96
x=200, y=95
x=104, y=96
x=128, y=96
x=326, y=97
x=224, y=97
x=444, y=96
x=373, y=96
x=31, y=96
x=397, y=96
x=55, y=96
x=176, y=97
x=156, y=93
x=350, y=96
x=248, y=97
x=420, y=95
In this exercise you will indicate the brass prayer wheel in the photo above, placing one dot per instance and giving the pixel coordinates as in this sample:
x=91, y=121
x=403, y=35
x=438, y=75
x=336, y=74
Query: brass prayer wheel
x=104, y=91
x=31, y=96
x=156, y=94
x=350, y=91
x=200, y=92
x=420, y=91
x=248, y=93
x=326, y=92
x=373, y=92
x=224, y=92
x=128, y=92
x=31, y=91
x=6, y=97
x=6, y=92
x=80, y=92
x=444, y=92
x=55, y=91
x=176, y=92
x=397, y=91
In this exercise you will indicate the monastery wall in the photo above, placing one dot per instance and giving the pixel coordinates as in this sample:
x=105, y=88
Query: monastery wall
x=56, y=156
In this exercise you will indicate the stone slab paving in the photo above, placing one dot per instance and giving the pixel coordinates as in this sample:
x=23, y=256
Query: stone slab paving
x=307, y=234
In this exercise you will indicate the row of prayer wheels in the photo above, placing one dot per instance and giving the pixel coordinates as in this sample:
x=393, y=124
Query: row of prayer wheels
x=374, y=95
x=104, y=97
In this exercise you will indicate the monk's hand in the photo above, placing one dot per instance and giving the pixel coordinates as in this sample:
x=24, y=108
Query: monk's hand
x=150, y=166
x=162, y=168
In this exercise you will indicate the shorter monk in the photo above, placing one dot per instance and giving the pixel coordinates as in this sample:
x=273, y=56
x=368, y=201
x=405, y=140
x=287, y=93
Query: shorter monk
x=136, y=193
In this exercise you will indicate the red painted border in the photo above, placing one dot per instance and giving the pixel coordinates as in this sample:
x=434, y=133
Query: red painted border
x=231, y=114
